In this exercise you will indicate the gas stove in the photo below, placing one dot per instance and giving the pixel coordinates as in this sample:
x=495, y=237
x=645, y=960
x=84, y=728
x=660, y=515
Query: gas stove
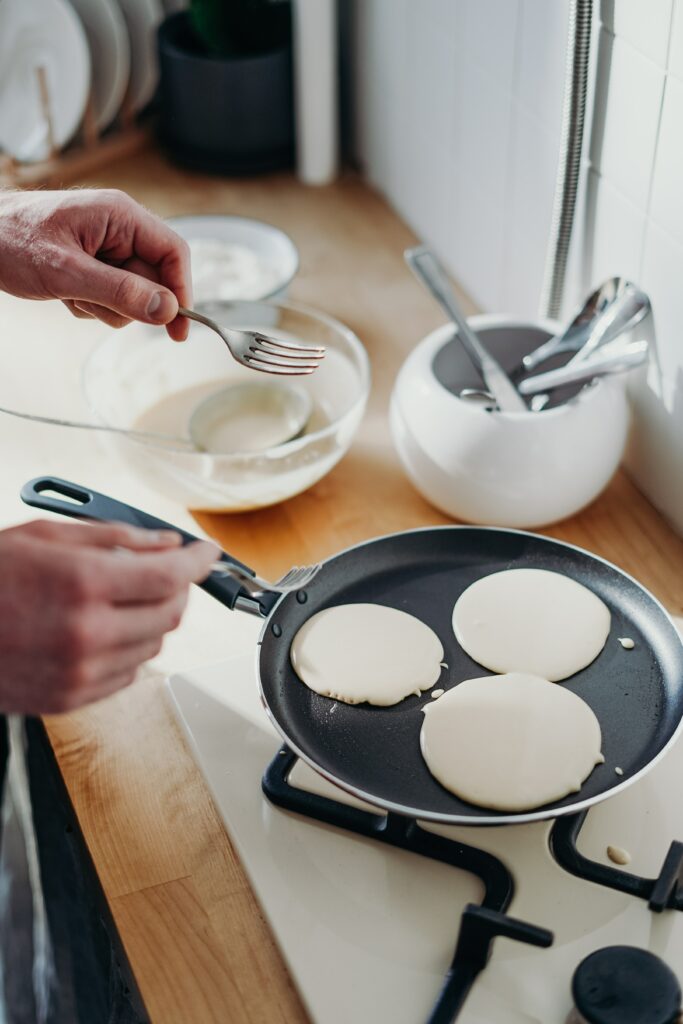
x=426, y=921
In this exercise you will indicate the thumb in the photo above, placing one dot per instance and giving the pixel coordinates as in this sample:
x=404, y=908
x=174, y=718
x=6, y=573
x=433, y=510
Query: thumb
x=126, y=293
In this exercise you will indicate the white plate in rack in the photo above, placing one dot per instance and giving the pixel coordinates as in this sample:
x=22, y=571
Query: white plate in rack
x=109, y=44
x=48, y=34
x=143, y=18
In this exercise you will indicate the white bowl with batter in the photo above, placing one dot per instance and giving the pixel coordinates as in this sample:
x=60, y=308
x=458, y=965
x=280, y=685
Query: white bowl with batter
x=237, y=257
x=138, y=379
x=518, y=469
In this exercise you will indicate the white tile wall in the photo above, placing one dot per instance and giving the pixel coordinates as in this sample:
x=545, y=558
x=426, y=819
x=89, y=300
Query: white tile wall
x=481, y=141
x=480, y=154
x=458, y=115
x=381, y=43
x=614, y=230
x=457, y=79
x=666, y=207
x=628, y=102
x=488, y=30
x=662, y=277
x=676, y=44
x=539, y=82
x=644, y=24
x=477, y=245
x=531, y=175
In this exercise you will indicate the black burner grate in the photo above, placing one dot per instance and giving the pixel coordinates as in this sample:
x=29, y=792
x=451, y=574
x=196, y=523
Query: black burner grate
x=662, y=893
x=479, y=925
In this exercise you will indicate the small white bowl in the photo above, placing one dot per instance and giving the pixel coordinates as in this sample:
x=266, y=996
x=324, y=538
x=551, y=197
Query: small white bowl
x=274, y=249
x=132, y=370
x=523, y=469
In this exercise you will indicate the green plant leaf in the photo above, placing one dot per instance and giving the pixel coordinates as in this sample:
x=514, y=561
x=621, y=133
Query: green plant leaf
x=229, y=28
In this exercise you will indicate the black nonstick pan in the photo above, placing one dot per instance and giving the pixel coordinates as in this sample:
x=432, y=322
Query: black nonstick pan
x=374, y=752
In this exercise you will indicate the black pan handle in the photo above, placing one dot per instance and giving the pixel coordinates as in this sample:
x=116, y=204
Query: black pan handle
x=82, y=503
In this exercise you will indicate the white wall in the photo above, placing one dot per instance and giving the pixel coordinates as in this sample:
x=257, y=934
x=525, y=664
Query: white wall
x=458, y=109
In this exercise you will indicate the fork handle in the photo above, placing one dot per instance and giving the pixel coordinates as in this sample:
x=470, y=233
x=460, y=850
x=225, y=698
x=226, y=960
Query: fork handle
x=192, y=314
x=68, y=499
x=199, y=318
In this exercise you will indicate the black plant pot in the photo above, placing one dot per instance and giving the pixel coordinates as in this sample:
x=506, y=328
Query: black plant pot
x=229, y=115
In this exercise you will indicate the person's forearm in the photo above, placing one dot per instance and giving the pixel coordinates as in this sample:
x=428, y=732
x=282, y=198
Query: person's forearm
x=15, y=241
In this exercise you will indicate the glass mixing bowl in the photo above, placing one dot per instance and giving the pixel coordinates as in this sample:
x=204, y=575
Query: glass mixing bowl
x=132, y=370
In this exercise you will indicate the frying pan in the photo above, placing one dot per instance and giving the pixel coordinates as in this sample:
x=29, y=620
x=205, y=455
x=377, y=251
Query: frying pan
x=374, y=752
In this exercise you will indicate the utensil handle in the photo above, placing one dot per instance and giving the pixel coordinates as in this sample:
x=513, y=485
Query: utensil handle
x=599, y=335
x=192, y=314
x=632, y=355
x=425, y=265
x=622, y=315
x=68, y=499
x=551, y=347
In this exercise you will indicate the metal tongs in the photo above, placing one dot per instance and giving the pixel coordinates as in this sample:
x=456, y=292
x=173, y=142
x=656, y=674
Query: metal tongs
x=616, y=359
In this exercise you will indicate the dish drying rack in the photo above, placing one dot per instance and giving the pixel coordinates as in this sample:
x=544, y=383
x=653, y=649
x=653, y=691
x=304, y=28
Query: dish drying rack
x=89, y=149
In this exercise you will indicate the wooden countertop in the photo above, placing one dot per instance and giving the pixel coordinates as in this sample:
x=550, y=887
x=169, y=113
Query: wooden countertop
x=198, y=944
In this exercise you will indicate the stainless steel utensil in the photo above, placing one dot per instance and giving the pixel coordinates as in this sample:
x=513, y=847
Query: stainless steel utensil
x=168, y=440
x=486, y=400
x=427, y=269
x=294, y=579
x=284, y=408
x=258, y=351
x=293, y=405
x=478, y=397
x=627, y=310
x=597, y=313
x=623, y=357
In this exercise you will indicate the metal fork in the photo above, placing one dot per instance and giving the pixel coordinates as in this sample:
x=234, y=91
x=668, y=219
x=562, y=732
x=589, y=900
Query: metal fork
x=294, y=579
x=259, y=352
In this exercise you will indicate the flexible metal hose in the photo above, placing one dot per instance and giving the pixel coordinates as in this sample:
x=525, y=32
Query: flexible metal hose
x=569, y=166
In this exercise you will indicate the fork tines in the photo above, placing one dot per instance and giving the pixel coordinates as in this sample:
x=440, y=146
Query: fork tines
x=295, y=578
x=283, y=357
x=291, y=346
x=270, y=366
x=298, y=576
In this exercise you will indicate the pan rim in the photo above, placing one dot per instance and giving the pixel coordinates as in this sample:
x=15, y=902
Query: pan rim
x=458, y=819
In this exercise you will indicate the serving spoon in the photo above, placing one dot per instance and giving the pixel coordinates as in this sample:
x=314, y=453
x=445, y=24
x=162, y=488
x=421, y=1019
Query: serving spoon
x=282, y=404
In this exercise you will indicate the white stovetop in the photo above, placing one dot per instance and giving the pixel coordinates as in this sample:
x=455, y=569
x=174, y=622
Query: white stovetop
x=368, y=931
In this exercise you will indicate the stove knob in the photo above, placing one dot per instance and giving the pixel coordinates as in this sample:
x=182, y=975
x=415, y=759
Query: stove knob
x=624, y=985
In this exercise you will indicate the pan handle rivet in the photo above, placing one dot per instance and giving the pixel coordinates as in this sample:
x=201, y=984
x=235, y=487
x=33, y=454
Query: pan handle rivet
x=277, y=630
x=301, y=596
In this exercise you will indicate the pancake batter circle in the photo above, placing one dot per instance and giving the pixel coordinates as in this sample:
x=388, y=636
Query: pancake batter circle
x=531, y=620
x=366, y=652
x=511, y=742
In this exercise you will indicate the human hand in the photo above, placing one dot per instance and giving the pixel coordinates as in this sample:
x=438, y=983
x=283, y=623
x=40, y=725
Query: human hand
x=78, y=615
x=97, y=250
